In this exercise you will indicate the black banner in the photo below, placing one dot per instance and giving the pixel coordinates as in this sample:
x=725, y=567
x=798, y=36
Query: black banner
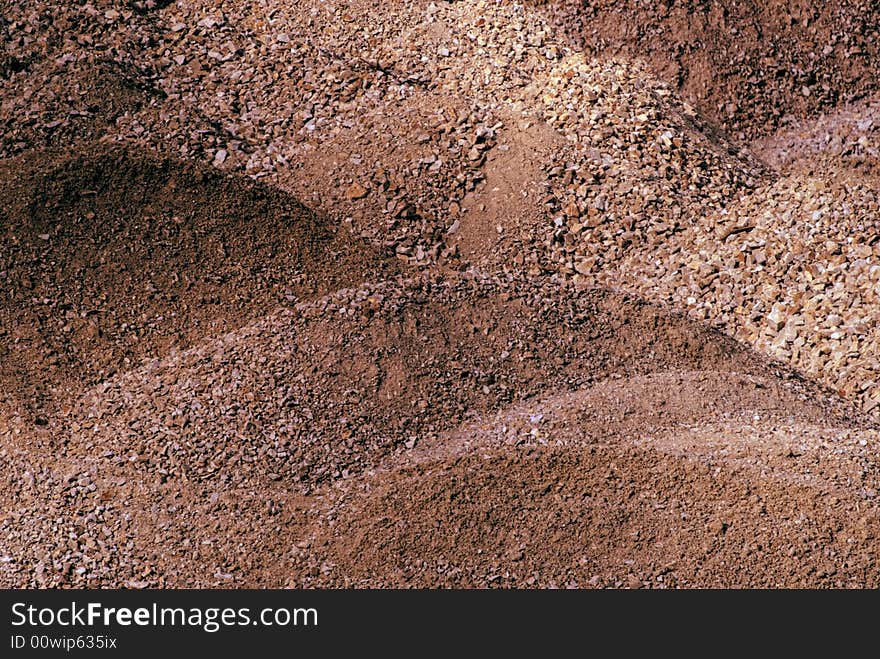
x=129, y=623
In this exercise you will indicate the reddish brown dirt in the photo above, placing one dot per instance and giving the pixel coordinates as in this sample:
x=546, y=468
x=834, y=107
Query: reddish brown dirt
x=294, y=431
x=750, y=67
x=115, y=257
x=296, y=297
x=613, y=516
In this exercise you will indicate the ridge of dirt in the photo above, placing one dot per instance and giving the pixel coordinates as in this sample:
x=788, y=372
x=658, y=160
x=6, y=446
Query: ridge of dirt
x=614, y=515
x=415, y=293
x=306, y=399
x=620, y=406
x=844, y=139
x=749, y=67
x=482, y=133
x=114, y=257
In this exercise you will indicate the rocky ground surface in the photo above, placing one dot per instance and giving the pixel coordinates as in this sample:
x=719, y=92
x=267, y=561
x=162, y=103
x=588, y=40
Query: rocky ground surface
x=416, y=293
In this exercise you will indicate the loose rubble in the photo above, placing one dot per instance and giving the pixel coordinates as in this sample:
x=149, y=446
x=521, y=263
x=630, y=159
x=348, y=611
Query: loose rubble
x=345, y=280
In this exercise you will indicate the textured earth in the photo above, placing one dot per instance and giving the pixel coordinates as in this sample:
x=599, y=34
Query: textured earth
x=439, y=294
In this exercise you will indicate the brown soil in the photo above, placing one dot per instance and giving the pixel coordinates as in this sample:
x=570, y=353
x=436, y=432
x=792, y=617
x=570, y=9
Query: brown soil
x=750, y=67
x=614, y=517
x=115, y=257
x=413, y=294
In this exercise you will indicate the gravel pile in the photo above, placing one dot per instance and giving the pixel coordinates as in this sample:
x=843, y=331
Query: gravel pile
x=113, y=256
x=635, y=197
x=326, y=390
x=749, y=67
x=720, y=513
x=253, y=434
x=793, y=270
x=190, y=359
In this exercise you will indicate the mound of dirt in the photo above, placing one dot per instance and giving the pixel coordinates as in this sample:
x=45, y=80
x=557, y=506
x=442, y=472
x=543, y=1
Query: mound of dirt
x=324, y=395
x=437, y=374
x=115, y=256
x=331, y=389
x=597, y=516
x=749, y=67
